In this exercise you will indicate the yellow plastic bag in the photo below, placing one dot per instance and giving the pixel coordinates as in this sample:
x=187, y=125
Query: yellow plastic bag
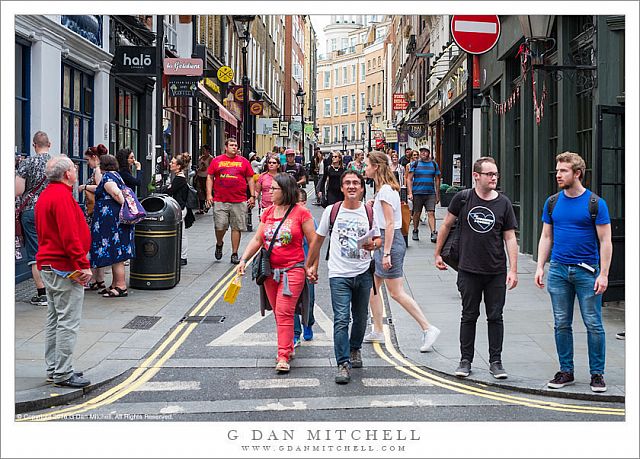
x=233, y=289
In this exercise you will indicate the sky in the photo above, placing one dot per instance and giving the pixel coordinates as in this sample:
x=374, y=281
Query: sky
x=319, y=22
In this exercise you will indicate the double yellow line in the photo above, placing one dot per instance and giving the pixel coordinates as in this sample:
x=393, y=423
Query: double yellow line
x=402, y=364
x=147, y=369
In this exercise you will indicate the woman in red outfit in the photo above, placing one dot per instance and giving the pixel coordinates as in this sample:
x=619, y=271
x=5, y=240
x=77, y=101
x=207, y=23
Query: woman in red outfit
x=287, y=258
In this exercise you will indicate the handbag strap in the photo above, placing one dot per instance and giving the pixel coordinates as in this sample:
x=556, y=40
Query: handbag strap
x=30, y=195
x=275, y=233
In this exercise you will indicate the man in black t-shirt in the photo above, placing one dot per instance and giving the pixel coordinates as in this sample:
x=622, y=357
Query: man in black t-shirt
x=294, y=169
x=487, y=222
x=406, y=159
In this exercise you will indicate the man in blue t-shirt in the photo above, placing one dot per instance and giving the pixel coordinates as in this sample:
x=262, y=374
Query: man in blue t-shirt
x=578, y=267
x=423, y=187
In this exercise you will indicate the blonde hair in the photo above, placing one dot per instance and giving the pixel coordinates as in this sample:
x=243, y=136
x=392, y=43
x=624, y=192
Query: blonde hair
x=384, y=175
x=339, y=153
x=576, y=161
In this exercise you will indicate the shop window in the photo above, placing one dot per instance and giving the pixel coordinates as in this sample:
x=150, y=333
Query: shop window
x=23, y=94
x=77, y=115
x=127, y=120
x=552, y=120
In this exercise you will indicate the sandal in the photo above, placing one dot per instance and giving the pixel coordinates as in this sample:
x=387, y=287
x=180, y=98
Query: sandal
x=105, y=289
x=95, y=286
x=121, y=293
x=282, y=366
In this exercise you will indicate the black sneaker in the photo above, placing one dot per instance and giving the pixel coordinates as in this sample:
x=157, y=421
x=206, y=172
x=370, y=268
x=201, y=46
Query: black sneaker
x=561, y=379
x=74, y=381
x=620, y=336
x=234, y=258
x=497, y=370
x=464, y=369
x=50, y=376
x=39, y=300
x=218, y=253
x=356, y=358
x=598, y=384
x=434, y=237
x=344, y=373
x=415, y=235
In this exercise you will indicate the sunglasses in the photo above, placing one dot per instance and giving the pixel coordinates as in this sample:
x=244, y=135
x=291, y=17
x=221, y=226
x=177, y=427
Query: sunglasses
x=272, y=162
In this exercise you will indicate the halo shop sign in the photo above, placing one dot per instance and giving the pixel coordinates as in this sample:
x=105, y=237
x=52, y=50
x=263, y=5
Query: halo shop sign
x=135, y=60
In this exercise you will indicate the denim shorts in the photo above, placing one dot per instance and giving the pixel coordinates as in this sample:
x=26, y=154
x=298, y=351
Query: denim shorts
x=28, y=220
x=398, y=249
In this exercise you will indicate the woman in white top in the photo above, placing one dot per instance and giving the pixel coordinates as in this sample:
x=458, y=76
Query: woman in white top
x=389, y=257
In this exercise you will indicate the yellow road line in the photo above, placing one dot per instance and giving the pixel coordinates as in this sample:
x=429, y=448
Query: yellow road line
x=405, y=366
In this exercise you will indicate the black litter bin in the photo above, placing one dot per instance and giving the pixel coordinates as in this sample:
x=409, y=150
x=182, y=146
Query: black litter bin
x=158, y=240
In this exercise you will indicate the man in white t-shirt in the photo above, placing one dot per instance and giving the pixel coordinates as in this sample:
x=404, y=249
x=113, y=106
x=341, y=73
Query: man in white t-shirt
x=350, y=278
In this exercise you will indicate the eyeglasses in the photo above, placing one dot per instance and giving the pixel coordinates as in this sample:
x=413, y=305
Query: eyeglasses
x=490, y=174
x=335, y=157
x=274, y=189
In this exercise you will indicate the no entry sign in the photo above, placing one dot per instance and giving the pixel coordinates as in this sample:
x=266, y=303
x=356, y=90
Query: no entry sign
x=475, y=34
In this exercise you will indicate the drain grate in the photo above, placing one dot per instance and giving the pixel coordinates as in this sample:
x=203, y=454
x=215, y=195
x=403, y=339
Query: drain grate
x=204, y=319
x=142, y=322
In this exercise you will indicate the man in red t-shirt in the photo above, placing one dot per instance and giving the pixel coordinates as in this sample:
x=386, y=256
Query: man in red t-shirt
x=227, y=177
x=64, y=240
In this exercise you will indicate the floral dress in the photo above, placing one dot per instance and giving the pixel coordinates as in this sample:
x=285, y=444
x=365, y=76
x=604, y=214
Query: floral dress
x=111, y=242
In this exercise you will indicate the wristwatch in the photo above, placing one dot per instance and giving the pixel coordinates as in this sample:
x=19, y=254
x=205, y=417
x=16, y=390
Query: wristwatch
x=386, y=255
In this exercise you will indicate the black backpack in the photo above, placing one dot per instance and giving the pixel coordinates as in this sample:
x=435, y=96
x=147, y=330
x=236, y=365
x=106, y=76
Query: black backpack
x=450, y=252
x=594, y=199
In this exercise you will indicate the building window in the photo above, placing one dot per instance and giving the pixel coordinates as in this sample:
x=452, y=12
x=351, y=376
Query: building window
x=353, y=132
x=379, y=93
x=77, y=114
x=345, y=105
x=368, y=94
x=326, y=137
x=363, y=102
x=333, y=44
x=369, y=65
x=336, y=107
x=362, y=131
x=379, y=61
x=126, y=120
x=345, y=78
x=552, y=123
x=335, y=134
x=353, y=73
x=353, y=103
x=336, y=77
x=327, y=107
x=327, y=79
x=23, y=93
x=584, y=133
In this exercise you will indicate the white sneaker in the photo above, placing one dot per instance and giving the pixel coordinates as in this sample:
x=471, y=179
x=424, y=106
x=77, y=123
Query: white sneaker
x=374, y=337
x=429, y=337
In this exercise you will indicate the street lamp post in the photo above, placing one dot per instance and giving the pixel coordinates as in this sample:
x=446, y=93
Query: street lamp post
x=369, y=118
x=362, y=139
x=300, y=94
x=242, y=24
x=344, y=143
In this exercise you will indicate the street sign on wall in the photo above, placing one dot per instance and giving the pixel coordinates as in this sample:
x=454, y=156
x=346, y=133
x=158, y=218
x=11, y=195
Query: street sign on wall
x=284, y=129
x=475, y=34
x=399, y=101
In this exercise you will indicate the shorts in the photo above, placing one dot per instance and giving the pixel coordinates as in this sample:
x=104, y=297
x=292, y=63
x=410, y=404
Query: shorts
x=30, y=235
x=232, y=214
x=398, y=250
x=428, y=201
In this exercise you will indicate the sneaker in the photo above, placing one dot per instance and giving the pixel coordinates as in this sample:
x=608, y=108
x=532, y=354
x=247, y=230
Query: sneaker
x=344, y=373
x=183, y=261
x=50, y=375
x=497, y=370
x=561, y=379
x=620, y=336
x=74, y=381
x=598, y=384
x=234, y=258
x=282, y=366
x=429, y=337
x=39, y=300
x=307, y=333
x=296, y=341
x=374, y=337
x=463, y=369
x=415, y=235
x=434, y=237
x=218, y=253
x=356, y=358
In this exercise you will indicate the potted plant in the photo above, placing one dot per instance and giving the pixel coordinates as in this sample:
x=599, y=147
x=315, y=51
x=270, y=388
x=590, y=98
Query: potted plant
x=447, y=192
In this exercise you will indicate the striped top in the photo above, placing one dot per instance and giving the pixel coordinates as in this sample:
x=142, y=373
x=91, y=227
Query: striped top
x=424, y=173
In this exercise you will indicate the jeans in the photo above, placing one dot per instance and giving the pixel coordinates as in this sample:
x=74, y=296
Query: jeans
x=473, y=287
x=349, y=294
x=297, y=325
x=564, y=284
x=64, y=298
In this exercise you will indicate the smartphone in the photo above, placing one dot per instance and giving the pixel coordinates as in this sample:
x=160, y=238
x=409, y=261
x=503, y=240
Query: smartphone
x=75, y=275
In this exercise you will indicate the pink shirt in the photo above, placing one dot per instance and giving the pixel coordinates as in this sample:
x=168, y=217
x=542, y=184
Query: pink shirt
x=287, y=250
x=265, y=180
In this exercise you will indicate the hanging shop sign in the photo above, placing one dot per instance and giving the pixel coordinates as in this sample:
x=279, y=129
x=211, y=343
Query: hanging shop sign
x=134, y=60
x=256, y=107
x=264, y=126
x=416, y=130
x=238, y=93
x=209, y=83
x=275, y=122
x=403, y=136
x=284, y=129
x=399, y=101
x=308, y=128
x=391, y=135
x=183, y=86
x=225, y=74
x=295, y=126
x=183, y=66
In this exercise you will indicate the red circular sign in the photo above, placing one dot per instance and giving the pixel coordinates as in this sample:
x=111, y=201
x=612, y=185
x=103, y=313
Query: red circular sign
x=475, y=34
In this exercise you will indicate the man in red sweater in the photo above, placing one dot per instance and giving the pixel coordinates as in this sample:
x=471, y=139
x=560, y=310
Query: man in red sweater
x=64, y=241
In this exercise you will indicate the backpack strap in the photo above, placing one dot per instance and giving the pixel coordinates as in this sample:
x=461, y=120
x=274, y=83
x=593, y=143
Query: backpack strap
x=553, y=200
x=369, y=210
x=335, y=208
x=594, y=200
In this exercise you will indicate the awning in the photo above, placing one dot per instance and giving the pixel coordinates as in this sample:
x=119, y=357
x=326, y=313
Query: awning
x=224, y=113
